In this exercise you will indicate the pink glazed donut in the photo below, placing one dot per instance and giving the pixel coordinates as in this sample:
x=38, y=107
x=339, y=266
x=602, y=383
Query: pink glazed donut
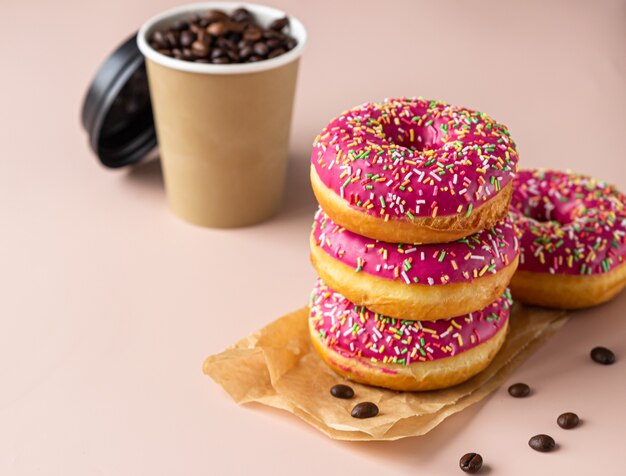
x=415, y=282
x=413, y=171
x=404, y=355
x=572, y=233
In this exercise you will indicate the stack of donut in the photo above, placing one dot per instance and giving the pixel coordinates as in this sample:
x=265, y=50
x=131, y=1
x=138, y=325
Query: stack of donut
x=413, y=244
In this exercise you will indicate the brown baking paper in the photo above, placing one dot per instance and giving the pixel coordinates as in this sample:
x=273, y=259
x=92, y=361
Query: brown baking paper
x=277, y=366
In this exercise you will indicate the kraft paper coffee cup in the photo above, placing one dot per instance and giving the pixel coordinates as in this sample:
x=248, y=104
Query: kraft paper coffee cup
x=223, y=130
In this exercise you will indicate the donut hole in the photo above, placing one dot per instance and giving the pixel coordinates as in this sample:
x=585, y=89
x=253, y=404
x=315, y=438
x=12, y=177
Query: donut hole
x=545, y=209
x=417, y=138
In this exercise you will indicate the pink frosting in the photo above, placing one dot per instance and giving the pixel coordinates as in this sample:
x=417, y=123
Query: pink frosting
x=352, y=330
x=407, y=158
x=483, y=253
x=568, y=223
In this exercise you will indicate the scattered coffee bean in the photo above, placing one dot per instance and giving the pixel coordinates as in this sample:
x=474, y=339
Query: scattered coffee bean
x=471, y=463
x=364, y=410
x=602, y=355
x=219, y=38
x=568, y=420
x=519, y=390
x=342, y=391
x=543, y=443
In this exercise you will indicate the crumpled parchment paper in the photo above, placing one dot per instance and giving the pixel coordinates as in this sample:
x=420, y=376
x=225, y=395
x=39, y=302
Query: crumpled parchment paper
x=277, y=366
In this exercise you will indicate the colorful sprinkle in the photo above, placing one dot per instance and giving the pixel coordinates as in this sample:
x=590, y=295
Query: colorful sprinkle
x=568, y=223
x=355, y=331
x=486, y=252
x=403, y=151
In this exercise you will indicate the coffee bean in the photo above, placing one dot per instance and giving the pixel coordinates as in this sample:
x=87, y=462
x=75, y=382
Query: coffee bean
x=519, y=390
x=217, y=29
x=364, y=410
x=291, y=43
x=342, y=391
x=273, y=43
x=568, y=420
x=602, y=355
x=187, y=38
x=158, y=38
x=543, y=443
x=181, y=26
x=216, y=37
x=253, y=34
x=276, y=52
x=217, y=52
x=200, y=49
x=239, y=28
x=260, y=49
x=245, y=52
x=215, y=15
x=241, y=15
x=226, y=44
x=267, y=34
x=278, y=25
x=233, y=55
x=187, y=54
x=172, y=38
x=471, y=463
x=195, y=27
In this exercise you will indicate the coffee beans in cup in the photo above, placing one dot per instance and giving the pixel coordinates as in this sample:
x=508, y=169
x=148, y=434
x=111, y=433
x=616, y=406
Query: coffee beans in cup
x=217, y=37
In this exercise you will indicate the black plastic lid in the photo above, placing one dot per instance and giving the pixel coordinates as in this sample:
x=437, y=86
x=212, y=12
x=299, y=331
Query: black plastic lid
x=117, y=113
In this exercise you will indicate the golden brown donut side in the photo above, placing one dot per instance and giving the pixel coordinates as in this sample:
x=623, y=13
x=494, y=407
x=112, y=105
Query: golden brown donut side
x=567, y=291
x=441, y=229
x=410, y=301
x=417, y=376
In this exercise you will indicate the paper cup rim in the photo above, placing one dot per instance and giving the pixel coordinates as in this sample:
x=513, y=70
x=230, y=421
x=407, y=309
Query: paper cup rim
x=297, y=30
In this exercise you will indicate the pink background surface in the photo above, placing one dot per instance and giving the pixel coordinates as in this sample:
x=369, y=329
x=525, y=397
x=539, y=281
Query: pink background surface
x=110, y=303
